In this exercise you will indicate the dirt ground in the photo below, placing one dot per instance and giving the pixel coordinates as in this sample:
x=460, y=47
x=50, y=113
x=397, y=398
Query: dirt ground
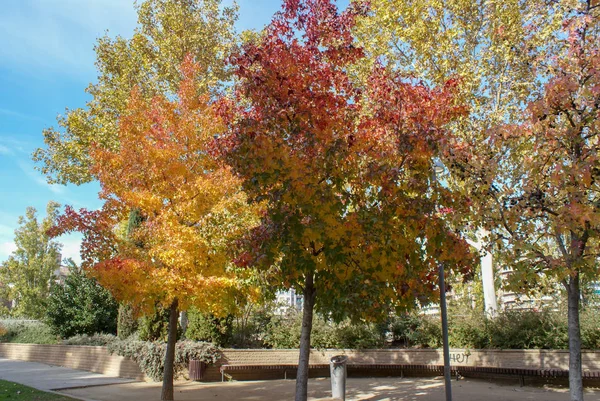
x=406, y=389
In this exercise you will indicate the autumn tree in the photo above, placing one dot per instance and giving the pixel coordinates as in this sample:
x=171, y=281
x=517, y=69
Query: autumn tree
x=167, y=31
x=498, y=50
x=536, y=184
x=28, y=272
x=504, y=53
x=190, y=207
x=345, y=173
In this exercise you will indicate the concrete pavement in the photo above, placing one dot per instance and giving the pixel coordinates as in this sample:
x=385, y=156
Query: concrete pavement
x=96, y=387
x=47, y=377
x=407, y=389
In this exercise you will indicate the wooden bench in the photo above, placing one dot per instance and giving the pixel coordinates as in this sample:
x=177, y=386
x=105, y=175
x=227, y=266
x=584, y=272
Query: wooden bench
x=522, y=373
x=439, y=369
x=456, y=371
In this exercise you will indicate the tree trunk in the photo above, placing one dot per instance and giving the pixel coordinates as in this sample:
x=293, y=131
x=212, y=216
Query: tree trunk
x=575, y=375
x=183, y=317
x=307, y=321
x=167, y=386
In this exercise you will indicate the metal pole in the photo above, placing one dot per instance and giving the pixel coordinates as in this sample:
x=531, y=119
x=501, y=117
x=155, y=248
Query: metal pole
x=438, y=167
x=444, y=313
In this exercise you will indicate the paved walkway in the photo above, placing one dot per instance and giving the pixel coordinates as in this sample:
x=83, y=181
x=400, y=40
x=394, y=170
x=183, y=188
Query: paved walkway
x=407, y=389
x=76, y=383
x=47, y=377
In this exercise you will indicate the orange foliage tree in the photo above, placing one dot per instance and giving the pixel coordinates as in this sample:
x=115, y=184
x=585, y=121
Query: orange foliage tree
x=189, y=206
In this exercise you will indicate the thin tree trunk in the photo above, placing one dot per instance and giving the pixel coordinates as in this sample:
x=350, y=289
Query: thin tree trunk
x=307, y=321
x=183, y=317
x=167, y=386
x=575, y=375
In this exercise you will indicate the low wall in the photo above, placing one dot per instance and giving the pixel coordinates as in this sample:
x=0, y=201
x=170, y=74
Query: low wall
x=533, y=359
x=97, y=359
x=93, y=359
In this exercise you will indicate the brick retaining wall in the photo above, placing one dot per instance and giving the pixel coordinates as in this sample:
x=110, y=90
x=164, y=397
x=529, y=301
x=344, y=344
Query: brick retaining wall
x=97, y=359
x=93, y=359
x=534, y=359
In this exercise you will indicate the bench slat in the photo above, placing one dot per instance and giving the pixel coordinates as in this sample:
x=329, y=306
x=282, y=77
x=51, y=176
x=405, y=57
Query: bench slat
x=461, y=369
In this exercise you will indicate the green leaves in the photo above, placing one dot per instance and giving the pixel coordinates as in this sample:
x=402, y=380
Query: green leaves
x=28, y=272
x=150, y=61
x=80, y=306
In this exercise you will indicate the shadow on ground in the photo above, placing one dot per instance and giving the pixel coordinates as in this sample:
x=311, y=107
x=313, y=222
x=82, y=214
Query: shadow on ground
x=407, y=389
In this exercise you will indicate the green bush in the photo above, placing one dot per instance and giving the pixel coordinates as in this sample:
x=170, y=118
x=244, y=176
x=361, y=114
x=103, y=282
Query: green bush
x=284, y=332
x=80, y=306
x=403, y=329
x=26, y=332
x=209, y=328
x=150, y=356
x=249, y=329
x=528, y=330
x=127, y=322
x=359, y=336
x=468, y=331
x=93, y=340
x=590, y=328
x=412, y=330
x=509, y=330
x=155, y=327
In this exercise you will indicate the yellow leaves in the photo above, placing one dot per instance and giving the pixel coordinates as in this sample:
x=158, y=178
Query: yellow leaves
x=191, y=207
x=151, y=60
x=480, y=41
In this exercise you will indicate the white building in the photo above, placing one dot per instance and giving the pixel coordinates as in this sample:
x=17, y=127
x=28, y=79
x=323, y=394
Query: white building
x=287, y=300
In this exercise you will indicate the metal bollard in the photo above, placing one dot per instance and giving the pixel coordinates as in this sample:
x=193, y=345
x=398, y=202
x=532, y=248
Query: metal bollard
x=337, y=366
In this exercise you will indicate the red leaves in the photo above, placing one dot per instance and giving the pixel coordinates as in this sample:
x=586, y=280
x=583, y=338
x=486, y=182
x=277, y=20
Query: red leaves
x=99, y=239
x=344, y=169
x=408, y=118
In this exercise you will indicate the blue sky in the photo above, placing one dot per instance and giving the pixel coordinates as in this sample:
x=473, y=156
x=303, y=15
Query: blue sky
x=46, y=62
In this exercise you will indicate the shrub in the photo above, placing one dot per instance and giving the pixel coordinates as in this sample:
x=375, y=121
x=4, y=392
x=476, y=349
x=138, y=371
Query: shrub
x=155, y=327
x=468, y=331
x=403, y=329
x=250, y=328
x=93, y=340
x=528, y=329
x=412, y=330
x=284, y=332
x=27, y=332
x=210, y=328
x=359, y=336
x=150, y=356
x=429, y=333
x=127, y=323
x=80, y=306
x=590, y=328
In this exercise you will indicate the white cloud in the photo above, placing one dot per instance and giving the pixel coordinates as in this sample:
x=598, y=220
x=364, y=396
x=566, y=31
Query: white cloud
x=59, y=35
x=6, y=248
x=9, y=145
x=4, y=150
x=6, y=231
x=39, y=179
x=13, y=113
x=71, y=247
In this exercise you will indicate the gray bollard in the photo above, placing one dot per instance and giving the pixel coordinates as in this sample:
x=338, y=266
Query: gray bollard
x=337, y=366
